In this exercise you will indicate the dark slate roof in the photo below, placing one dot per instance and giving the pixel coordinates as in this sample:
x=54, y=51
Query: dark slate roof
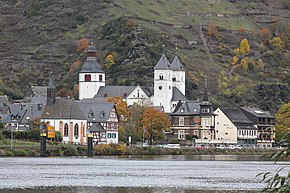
x=163, y=63
x=257, y=112
x=97, y=127
x=176, y=64
x=177, y=95
x=187, y=108
x=149, y=90
x=235, y=115
x=39, y=91
x=63, y=108
x=113, y=91
x=91, y=65
x=101, y=110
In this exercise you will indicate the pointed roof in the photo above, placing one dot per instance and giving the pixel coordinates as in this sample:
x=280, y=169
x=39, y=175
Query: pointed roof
x=177, y=95
x=176, y=64
x=205, y=95
x=91, y=65
x=163, y=63
x=97, y=127
x=50, y=81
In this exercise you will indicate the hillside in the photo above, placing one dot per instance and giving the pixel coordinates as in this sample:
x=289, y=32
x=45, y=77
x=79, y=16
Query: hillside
x=39, y=36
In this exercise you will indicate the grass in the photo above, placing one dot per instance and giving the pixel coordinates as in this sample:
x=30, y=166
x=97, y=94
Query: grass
x=182, y=12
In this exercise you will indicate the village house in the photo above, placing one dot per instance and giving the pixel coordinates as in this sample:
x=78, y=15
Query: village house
x=233, y=127
x=194, y=120
x=75, y=119
x=264, y=122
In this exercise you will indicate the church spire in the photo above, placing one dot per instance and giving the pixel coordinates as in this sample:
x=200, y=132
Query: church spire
x=50, y=99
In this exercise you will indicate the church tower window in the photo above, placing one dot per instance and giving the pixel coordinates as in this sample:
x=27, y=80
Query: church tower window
x=88, y=78
x=160, y=77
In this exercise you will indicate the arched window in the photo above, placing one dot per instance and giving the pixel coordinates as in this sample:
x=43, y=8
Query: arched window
x=160, y=77
x=173, y=78
x=76, y=130
x=65, y=132
x=88, y=78
x=100, y=78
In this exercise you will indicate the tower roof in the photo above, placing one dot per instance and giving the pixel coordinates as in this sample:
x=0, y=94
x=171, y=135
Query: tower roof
x=163, y=63
x=91, y=64
x=176, y=64
x=50, y=81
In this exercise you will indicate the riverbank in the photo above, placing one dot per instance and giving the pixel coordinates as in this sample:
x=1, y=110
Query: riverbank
x=31, y=149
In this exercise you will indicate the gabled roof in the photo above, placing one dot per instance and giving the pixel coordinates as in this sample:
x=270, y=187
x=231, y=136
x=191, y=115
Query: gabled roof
x=97, y=127
x=177, y=95
x=176, y=64
x=63, y=108
x=187, y=108
x=149, y=90
x=100, y=110
x=256, y=112
x=91, y=66
x=236, y=115
x=113, y=91
x=163, y=63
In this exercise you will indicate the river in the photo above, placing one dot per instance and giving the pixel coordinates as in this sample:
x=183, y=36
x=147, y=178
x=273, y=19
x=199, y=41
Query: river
x=144, y=174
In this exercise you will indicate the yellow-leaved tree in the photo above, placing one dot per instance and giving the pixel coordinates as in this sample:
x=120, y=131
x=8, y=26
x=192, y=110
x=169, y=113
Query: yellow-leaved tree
x=282, y=121
x=155, y=123
x=244, y=46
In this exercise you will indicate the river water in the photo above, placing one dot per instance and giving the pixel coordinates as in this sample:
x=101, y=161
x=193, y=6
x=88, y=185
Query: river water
x=144, y=174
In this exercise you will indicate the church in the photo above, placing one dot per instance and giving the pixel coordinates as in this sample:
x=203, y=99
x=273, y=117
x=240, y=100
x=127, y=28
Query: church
x=168, y=89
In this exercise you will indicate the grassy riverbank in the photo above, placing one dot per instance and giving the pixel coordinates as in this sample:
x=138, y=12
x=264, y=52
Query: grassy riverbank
x=31, y=149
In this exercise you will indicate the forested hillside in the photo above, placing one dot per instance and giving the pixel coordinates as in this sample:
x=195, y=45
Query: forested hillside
x=242, y=46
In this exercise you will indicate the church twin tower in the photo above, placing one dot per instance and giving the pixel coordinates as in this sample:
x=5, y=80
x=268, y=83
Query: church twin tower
x=169, y=80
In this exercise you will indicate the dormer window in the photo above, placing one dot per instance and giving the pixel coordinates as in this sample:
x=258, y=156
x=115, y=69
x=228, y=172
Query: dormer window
x=182, y=110
x=91, y=114
x=102, y=114
x=205, y=110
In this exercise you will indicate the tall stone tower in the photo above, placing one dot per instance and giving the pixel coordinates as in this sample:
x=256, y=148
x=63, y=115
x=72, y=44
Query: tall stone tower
x=178, y=76
x=91, y=77
x=50, y=98
x=163, y=84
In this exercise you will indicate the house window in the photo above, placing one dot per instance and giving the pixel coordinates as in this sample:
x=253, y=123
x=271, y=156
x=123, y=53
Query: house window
x=181, y=121
x=181, y=134
x=109, y=135
x=88, y=78
x=205, y=110
x=100, y=78
x=76, y=130
x=114, y=136
x=65, y=132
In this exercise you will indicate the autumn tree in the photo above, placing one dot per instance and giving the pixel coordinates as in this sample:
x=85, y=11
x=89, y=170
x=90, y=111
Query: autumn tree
x=83, y=44
x=154, y=123
x=110, y=60
x=277, y=44
x=76, y=91
x=121, y=107
x=244, y=46
x=282, y=121
x=212, y=30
